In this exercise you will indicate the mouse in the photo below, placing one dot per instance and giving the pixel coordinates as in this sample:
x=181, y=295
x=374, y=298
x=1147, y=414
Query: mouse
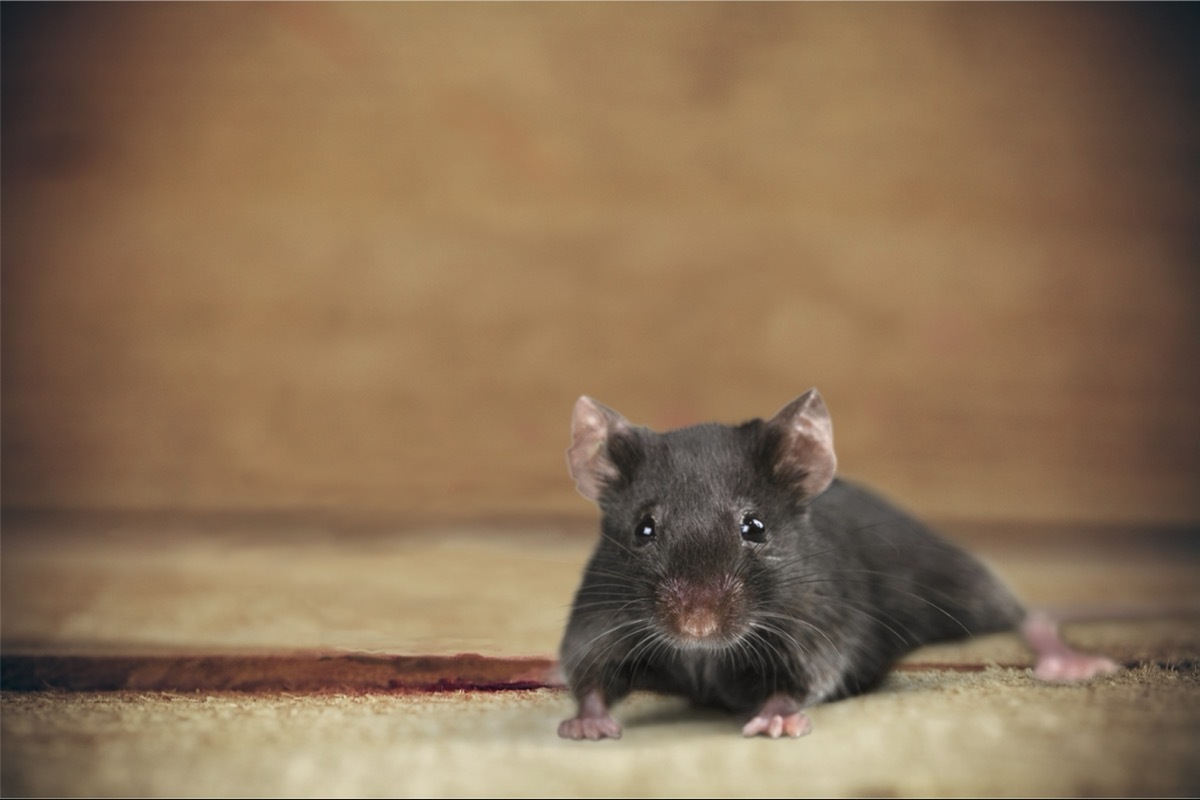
x=736, y=568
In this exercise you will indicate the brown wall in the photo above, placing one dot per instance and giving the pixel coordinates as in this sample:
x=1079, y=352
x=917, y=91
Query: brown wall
x=364, y=257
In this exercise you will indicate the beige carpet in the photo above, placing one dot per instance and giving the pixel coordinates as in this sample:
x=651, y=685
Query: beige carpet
x=960, y=719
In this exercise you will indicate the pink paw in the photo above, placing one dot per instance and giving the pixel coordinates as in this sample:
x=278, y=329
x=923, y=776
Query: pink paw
x=1071, y=667
x=592, y=722
x=590, y=728
x=795, y=725
x=1056, y=661
x=780, y=715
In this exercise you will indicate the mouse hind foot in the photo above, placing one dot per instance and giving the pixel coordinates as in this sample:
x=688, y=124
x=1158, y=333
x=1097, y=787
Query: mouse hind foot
x=1056, y=661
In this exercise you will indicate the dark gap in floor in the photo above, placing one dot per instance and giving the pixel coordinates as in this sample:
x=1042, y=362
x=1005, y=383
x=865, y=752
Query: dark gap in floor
x=324, y=673
x=300, y=672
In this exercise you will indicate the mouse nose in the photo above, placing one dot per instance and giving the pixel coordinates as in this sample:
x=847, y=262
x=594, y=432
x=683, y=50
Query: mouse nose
x=696, y=611
x=698, y=623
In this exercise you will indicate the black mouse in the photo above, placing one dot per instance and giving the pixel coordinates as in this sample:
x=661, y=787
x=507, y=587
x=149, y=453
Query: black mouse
x=734, y=568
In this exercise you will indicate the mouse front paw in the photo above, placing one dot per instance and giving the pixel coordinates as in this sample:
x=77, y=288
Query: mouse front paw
x=589, y=728
x=779, y=716
x=592, y=722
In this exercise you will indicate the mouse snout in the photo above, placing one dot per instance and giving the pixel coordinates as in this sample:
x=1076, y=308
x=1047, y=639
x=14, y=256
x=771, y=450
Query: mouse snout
x=701, y=611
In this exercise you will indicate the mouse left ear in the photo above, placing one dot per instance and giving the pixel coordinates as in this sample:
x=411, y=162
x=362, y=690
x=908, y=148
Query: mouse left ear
x=804, y=455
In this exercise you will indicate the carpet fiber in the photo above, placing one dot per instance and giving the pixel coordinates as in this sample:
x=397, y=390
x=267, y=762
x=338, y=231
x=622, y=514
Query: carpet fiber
x=371, y=620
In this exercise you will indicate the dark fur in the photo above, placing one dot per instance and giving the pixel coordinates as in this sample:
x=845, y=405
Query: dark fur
x=843, y=586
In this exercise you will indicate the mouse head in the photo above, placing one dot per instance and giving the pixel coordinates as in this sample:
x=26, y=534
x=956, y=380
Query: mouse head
x=693, y=515
x=606, y=450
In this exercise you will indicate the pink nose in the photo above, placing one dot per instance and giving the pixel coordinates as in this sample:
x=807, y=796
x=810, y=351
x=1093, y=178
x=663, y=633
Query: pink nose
x=698, y=623
x=698, y=610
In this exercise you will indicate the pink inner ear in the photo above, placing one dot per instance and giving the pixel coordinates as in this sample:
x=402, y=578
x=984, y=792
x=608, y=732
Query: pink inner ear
x=587, y=457
x=807, y=449
x=815, y=460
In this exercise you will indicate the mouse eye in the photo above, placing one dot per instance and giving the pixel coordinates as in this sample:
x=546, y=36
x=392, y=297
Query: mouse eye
x=645, y=530
x=753, y=529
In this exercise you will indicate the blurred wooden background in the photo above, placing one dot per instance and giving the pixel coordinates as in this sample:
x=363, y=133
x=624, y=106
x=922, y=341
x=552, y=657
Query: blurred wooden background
x=363, y=258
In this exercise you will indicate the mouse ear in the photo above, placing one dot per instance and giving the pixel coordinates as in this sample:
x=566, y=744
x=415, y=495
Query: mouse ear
x=588, y=457
x=804, y=455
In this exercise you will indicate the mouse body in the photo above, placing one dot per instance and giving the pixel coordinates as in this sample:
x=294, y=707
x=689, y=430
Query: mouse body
x=734, y=568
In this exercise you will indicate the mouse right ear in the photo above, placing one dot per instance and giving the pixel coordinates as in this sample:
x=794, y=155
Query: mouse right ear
x=588, y=459
x=805, y=455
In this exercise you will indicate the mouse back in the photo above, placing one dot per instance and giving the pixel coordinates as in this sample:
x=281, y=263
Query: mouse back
x=923, y=584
